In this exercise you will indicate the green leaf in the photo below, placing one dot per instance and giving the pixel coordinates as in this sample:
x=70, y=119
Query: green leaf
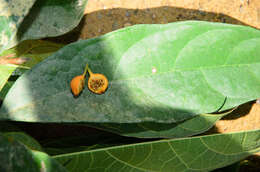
x=33, y=50
x=5, y=72
x=57, y=151
x=12, y=13
x=189, y=127
x=14, y=156
x=25, y=139
x=157, y=73
x=49, y=18
x=5, y=89
x=45, y=18
x=85, y=142
x=203, y=153
x=46, y=163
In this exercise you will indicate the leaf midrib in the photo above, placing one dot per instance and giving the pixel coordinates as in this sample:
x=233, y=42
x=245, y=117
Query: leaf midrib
x=139, y=77
x=184, y=70
x=160, y=141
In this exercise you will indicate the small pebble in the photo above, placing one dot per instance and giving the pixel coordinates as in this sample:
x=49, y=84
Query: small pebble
x=225, y=128
x=115, y=26
x=99, y=16
x=241, y=9
x=202, y=13
x=127, y=14
x=127, y=24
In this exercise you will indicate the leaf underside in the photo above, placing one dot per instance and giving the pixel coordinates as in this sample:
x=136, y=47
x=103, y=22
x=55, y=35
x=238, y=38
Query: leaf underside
x=204, y=153
x=193, y=126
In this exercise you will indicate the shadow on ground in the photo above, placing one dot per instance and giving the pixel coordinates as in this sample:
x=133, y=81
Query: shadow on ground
x=103, y=21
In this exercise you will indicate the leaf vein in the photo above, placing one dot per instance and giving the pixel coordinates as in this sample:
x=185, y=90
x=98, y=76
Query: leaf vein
x=181, y=160
x=149, y=154
x=221, y=153
x=121, y=161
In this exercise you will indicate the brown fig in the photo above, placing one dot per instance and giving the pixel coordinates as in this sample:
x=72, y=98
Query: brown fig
x=97, y=83
x=78, y=82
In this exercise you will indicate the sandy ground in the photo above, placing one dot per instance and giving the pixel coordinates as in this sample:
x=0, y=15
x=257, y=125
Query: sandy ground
x=103, y=16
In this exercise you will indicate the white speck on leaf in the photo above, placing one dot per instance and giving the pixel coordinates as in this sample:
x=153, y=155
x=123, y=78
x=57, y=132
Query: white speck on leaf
x=154, y=70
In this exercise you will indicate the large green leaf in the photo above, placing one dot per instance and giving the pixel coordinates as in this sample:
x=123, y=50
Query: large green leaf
x=202, y=153
x=14, y=156
x=49, y=18
x=157, y=73
x=189, y=127
x=12, y=13
x=34, y=20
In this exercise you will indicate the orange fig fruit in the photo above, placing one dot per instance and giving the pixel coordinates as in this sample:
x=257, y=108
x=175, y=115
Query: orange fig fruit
x=97, y=83
x=78, y=82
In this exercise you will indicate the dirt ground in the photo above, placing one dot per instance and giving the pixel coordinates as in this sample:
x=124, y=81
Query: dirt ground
x=103, y=16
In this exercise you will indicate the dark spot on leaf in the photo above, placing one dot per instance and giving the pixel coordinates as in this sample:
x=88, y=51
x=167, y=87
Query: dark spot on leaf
x=55, y=24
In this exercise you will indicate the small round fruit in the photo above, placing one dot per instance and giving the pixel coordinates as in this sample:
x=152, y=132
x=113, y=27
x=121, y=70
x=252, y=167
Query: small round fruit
x=77, y=84
x=97, y=83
